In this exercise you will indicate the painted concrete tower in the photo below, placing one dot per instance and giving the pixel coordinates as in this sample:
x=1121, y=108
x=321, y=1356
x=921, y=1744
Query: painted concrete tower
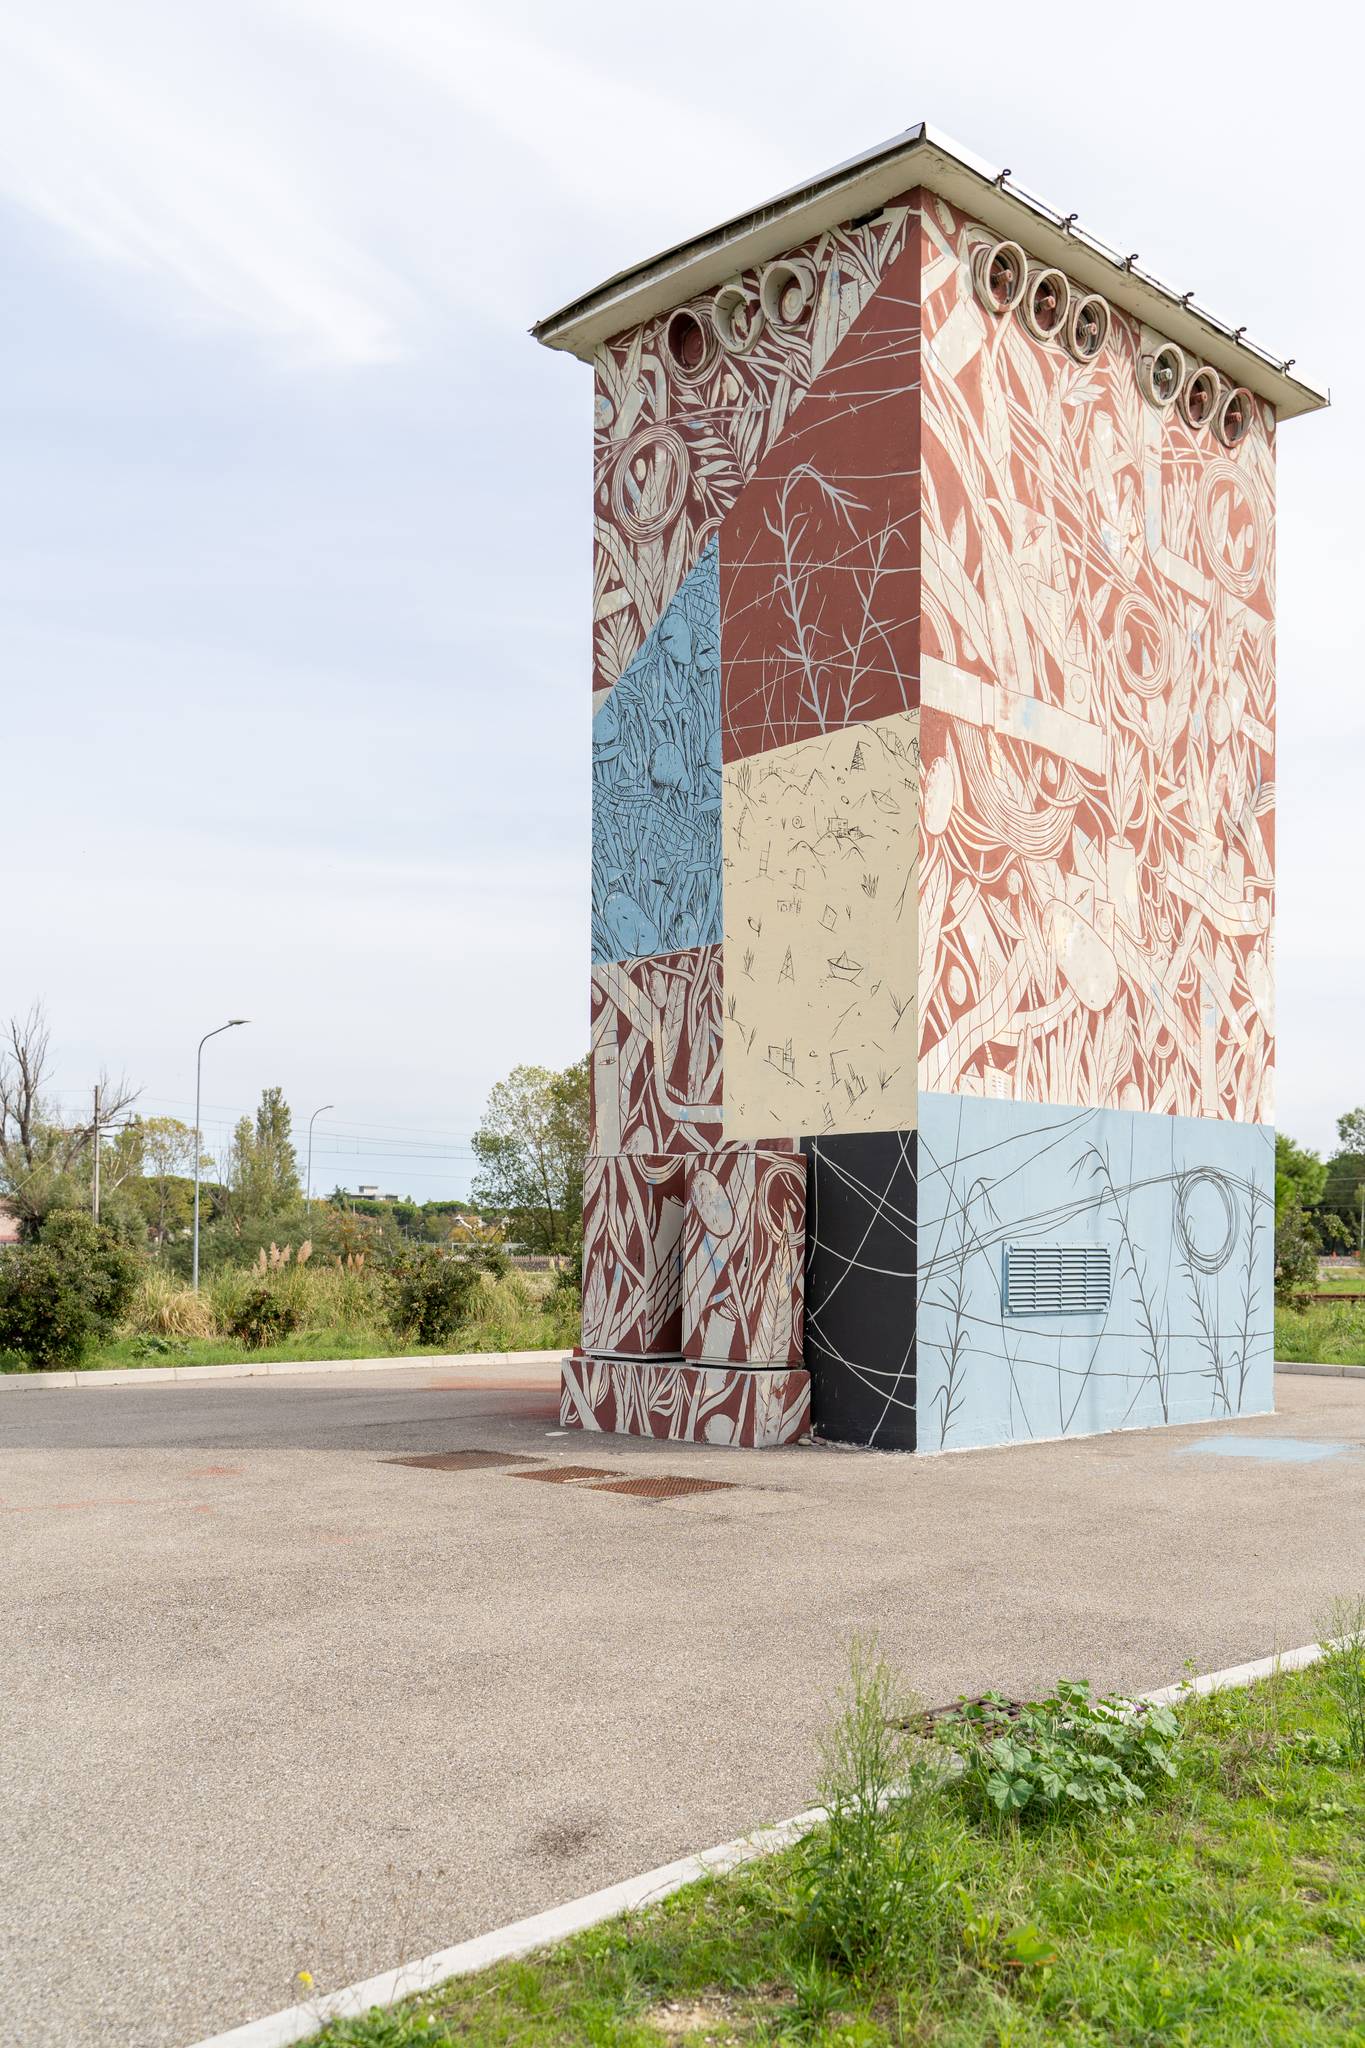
x=933, y=828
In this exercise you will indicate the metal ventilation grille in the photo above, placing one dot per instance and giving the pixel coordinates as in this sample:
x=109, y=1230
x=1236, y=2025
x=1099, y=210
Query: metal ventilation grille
x=1057, y=1279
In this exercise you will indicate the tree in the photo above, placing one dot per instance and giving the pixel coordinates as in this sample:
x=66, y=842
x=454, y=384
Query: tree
x=1300, y=1175
x=167, y=1167
x=531, y=1147
x=1343, y=1193
x=263, y=1173
x=44, y=1161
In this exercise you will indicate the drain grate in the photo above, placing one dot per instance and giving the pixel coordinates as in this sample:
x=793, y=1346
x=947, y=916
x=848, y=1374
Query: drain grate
x=560, y=1473
x=668, y=1486
x=466, y=1461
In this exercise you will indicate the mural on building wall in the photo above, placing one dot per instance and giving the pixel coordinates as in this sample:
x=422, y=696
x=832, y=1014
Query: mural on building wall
x=674, y=446
x=820, y=953
x=819, y=563
x=1183, y=1207
x=706, y=1404
x=743, y=1257
x=860, y=1287
x=1097, y=849
x=656, y=1053
x=656, y=786
x=933, y=832
x=632, y=1253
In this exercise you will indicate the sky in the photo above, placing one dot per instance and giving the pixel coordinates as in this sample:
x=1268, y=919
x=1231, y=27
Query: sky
x=295, y=518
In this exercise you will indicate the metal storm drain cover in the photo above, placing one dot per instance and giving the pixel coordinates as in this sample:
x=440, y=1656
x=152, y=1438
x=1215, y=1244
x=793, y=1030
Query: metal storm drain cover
x=466, y=1461
x=668, y=1486
x=560, y=1473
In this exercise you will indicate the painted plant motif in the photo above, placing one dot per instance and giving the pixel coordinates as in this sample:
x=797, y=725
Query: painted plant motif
x=1183, y=1208
x=656, y=786
x=1097, y=850
x=632, y=1256
x=819, y=566
x=674, y=447
x=690, y=1403
x=743, y=1252
x=656, y=1053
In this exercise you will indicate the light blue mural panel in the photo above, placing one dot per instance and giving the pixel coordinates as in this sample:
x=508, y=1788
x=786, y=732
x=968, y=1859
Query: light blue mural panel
x=656, y=854
x=1179, y=1328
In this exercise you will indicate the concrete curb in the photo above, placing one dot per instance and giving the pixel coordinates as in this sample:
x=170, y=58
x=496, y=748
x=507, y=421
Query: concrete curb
x=542, y=1930
x=1327, y=1372
x=243, y=1369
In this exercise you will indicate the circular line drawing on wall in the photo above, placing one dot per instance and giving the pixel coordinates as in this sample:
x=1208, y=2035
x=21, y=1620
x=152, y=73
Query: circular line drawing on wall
x=649, y=481
x=1230, y=528
x=1141, y=643
x=1211, y=1255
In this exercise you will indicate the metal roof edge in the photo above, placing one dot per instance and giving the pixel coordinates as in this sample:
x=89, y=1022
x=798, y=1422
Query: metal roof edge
x=921, y=156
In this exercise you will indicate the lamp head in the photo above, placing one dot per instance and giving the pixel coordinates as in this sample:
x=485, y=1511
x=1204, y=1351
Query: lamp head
x=238, y=1020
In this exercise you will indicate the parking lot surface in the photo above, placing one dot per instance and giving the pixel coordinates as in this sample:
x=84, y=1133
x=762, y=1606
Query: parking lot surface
x=276, y=1702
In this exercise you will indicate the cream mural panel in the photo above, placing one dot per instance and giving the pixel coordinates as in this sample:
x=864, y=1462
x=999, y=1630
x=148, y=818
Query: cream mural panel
x=819, y=966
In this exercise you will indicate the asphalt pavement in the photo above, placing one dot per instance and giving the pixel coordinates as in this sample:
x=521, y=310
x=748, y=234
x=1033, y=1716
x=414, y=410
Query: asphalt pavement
x=274, y=1702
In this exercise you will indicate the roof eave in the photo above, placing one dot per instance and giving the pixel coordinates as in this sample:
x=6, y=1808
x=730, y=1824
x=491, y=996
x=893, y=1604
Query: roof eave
x=920, y=157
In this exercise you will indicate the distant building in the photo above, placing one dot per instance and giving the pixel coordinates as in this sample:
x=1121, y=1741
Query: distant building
x=9, y=1223
x=368, y=1191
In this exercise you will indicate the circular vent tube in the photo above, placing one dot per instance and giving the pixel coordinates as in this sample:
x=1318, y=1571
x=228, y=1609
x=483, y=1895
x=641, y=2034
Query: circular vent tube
x=1000, y=272
x=1161, y=374
x=1199, y=396
x=787, y=292
x=737, y=318
x=1087, y=327
x=1045, y=304
x=690, y=342
x=1232, y=420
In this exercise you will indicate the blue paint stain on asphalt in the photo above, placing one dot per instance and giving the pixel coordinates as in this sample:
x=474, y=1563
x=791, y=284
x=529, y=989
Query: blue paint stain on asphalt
x=1285, y=1450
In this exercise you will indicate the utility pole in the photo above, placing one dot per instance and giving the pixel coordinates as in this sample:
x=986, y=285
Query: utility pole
x=95, y=1199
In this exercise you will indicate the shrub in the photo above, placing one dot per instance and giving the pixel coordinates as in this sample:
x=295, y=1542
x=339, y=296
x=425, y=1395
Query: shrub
x=878, y=1876
x=63, y=1289
x=263, y=1315
x=427, y=1293
x=1061, y=1756
x=161, y=1308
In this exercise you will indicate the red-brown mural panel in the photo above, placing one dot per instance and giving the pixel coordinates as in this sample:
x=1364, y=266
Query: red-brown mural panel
x=683, y=420
x=656, y=1053
x=744, y=1231
x=690, y=1403
x=1097, y=725
x=819, y=567
x=632, y=1255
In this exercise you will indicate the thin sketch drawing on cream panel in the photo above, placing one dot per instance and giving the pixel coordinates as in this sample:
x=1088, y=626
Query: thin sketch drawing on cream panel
x=820, y=933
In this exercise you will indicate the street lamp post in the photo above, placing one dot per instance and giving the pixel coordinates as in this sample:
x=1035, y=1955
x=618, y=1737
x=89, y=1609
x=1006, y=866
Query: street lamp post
x=308, y=1205
x=198, y=1147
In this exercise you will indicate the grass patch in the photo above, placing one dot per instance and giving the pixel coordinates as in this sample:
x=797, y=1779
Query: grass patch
x=1227, y=1906
x=1322, y=1334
